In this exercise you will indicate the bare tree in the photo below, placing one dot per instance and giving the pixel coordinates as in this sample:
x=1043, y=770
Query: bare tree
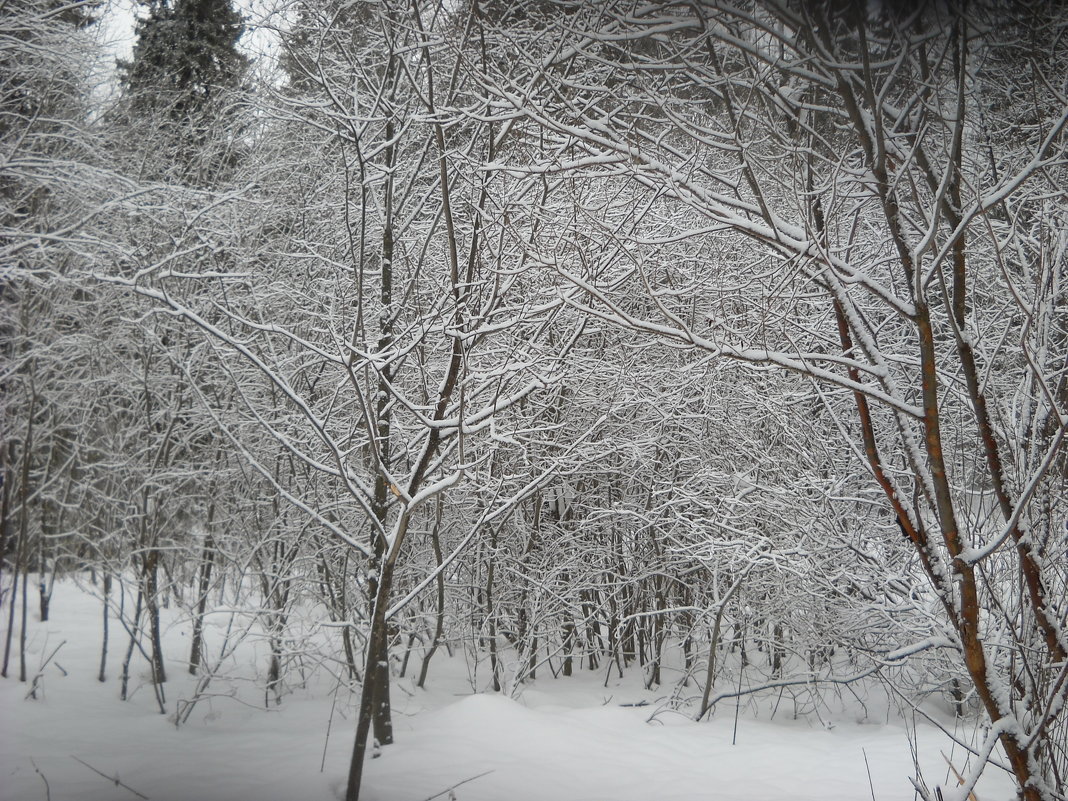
x=869, y=232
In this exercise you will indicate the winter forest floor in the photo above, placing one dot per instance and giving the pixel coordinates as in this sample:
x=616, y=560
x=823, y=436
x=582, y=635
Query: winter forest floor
x=564, y=739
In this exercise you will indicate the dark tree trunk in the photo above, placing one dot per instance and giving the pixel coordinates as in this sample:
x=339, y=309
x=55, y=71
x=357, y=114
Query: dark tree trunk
x=206, y=560
x=104, y=644
x=159, y=675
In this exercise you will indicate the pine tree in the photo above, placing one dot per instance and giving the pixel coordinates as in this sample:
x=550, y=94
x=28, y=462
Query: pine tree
x=185, y=83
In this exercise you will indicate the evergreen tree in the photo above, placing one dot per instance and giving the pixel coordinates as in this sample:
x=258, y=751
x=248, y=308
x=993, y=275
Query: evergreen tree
x=185, y=82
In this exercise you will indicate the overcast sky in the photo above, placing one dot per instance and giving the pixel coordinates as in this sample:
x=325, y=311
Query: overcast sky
x=116, y=28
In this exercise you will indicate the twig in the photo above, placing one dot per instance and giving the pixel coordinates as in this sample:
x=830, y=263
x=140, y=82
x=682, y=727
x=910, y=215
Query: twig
x=114, y=779
x=450, y=789
x=960, y=779
x=48, y=790
x=40, y=671
x=52, y=655
x=737, y=705
x=329, y=723
x=867, y=767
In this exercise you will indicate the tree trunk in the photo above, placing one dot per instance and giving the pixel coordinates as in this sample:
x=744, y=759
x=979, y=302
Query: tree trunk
x=159, y=675
x=207, y=558
x=135, y=624
x=104, y=644
x=439, y=583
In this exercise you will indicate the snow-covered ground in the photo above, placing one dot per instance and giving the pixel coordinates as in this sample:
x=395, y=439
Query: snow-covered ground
x=566, y=739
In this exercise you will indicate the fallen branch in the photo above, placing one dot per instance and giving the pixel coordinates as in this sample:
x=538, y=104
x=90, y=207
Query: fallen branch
x=450, y=789
x=48, y=790
x=114, y=779
x=40, y=672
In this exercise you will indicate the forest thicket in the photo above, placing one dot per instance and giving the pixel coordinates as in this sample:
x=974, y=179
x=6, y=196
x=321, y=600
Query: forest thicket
x=573, y=333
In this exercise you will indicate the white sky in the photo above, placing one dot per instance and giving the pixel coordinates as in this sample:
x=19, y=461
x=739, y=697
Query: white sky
x=116, y=29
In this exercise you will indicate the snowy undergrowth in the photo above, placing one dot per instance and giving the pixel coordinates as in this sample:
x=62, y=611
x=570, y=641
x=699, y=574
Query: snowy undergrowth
x=564, y=739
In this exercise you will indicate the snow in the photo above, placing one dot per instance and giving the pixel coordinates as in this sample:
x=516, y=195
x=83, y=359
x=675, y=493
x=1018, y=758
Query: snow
x=610, y=752
x=565, y=739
